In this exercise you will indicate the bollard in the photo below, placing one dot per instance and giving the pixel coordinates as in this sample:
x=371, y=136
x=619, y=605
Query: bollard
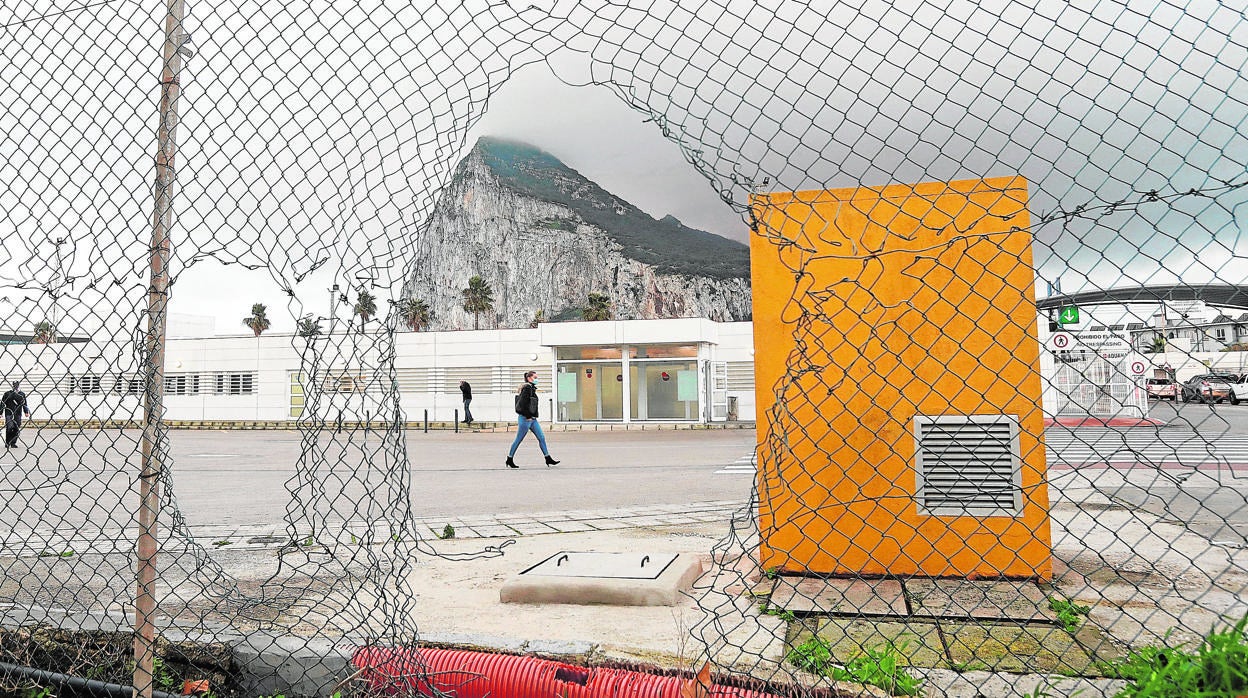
x=426, y=421
x=339, y=421
x=368, y=421
x=456, y=421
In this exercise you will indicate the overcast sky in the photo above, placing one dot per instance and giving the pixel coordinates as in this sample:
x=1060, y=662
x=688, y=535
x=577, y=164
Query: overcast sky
x=312, y=144
x=587, y=127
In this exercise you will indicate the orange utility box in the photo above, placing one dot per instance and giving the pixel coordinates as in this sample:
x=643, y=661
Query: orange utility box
x=898, y=382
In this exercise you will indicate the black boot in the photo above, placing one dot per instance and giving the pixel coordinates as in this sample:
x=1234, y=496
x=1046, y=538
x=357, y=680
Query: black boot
x=551, y=461
x=511, y=463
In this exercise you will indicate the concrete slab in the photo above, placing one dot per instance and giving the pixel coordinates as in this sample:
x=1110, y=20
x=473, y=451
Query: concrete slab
x=569, y=526
x=917, y=643
x=1016, y=648
x=978, y=684
x=665, y=590
x=959, y=598
x=839, y=596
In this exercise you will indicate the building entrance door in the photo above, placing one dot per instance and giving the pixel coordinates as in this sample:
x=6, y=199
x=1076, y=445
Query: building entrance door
x=590, y=391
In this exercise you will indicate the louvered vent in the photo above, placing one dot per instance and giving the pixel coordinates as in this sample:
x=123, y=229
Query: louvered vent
x=968, y=465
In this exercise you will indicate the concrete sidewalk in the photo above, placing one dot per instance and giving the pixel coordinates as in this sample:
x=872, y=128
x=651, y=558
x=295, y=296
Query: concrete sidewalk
x=1142, y=578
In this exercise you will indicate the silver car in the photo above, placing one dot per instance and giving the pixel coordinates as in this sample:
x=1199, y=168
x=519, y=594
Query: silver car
x=1206, y=387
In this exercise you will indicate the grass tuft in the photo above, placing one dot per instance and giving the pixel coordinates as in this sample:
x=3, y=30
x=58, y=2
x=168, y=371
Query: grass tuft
x=1217, y=667
x=1069, y=613
x=880, y=667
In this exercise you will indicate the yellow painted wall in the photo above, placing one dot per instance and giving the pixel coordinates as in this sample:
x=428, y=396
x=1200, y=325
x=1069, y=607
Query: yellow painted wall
x=914, y=300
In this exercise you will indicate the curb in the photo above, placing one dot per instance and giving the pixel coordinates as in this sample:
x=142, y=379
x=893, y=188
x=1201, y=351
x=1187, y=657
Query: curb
x=1102, y=422
x=292, y=425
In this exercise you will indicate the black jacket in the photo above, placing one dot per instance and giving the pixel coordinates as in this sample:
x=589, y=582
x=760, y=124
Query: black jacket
x=465, y=389
x=526, y=401
x=14, y=402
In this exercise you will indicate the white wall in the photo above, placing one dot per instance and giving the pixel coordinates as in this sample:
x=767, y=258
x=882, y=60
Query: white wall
x=427, y=369
x=735, y=347
x=1188, y=364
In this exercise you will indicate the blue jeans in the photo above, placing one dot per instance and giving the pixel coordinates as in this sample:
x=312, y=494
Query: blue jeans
x=525, y=426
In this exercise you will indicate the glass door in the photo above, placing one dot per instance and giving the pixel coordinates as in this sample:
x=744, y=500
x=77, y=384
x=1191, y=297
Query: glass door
x=590, y=391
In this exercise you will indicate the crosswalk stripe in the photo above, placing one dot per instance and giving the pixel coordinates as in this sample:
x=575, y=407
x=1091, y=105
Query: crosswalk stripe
x=1097, y=445
x=741, y=466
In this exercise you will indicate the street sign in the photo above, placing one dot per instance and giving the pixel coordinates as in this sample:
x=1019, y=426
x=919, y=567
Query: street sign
x=1069, y=315
x=1062, y=340
x=1137, y=368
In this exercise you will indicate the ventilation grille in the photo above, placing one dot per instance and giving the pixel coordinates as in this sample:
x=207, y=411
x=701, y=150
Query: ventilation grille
x=968, y=465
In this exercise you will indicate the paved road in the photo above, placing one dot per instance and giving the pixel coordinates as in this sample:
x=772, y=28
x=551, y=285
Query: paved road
x=245, y=478
x=1194, y=436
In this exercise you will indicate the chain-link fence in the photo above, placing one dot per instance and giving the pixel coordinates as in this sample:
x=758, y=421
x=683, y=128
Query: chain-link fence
x=932, y=190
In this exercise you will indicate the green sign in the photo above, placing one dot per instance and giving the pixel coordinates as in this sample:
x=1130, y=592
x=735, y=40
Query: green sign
x=1069, y=315
x=686, y=386
x=567, y=387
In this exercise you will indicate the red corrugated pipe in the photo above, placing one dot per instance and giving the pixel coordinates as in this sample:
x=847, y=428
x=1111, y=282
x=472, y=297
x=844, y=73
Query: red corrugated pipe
x=467, y=674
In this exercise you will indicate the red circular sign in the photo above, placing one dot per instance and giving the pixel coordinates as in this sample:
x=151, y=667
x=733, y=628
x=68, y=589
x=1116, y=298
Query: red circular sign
x=665, y=376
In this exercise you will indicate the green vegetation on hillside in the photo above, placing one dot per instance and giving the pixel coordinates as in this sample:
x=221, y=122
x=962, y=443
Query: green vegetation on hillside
x=666, y=244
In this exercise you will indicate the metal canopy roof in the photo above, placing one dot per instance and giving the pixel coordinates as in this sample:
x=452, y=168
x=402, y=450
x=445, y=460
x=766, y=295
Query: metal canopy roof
x=1220, y=295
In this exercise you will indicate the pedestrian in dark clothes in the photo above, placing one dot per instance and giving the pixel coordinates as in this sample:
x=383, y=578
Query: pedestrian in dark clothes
x=466, y=390
x=526, y=413
x=15, y=407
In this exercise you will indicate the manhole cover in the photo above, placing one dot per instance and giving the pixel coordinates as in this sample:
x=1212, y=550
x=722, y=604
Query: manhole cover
x=603, y=565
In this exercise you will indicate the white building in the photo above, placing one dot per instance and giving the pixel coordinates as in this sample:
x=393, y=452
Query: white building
x=618, y=372
x=682, y=370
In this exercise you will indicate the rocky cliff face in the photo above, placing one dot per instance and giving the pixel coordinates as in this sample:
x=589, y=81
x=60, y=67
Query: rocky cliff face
x=544, y=238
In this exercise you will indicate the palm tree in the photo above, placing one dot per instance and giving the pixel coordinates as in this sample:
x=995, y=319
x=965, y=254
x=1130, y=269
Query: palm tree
x=478, y=298
x=257, y=321
x=1159, y=344
x=45, y=333
x=308, y=327
x=598, y=307
x=415, y=313
x=538, y=318
x=365, y=306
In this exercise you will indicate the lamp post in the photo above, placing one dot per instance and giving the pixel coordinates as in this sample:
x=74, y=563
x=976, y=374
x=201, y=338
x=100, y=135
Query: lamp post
x=58, y=280
x=333, y=306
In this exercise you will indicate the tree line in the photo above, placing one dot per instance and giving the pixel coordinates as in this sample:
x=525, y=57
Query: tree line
x=414, y=313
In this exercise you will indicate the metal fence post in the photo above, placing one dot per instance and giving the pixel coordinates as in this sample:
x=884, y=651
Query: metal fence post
x=154, y=368
x=456, y=421
x=426, y=421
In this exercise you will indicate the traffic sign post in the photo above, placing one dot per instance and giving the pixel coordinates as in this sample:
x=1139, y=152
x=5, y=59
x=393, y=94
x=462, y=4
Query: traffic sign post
x=1069, y=315
x=1137, y=368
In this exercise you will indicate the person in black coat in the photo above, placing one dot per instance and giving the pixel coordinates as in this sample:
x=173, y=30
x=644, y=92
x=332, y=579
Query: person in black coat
x=465, y=389
x=526, y=412
x=15, y=407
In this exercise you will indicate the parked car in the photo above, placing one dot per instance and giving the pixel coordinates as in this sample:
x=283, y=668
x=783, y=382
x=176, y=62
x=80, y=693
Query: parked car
x=1206, y=387
x=1165, y=388
x=1239, y=388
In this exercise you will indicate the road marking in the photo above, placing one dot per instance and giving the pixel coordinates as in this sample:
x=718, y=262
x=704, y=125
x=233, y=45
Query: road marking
x=1145, y=448
x=745, y=465
x=1083, y=446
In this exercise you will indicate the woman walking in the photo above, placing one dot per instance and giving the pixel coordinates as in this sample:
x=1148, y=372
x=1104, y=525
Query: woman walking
x=526, y=412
